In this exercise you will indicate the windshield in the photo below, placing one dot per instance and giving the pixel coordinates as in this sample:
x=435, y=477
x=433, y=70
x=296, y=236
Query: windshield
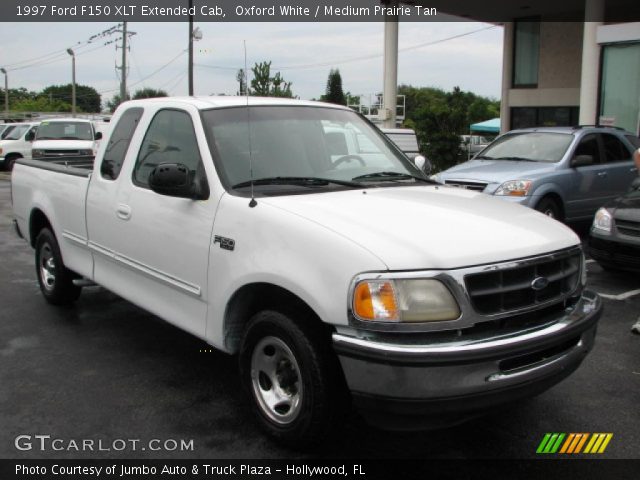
x=532, y=146
x=313, y=146
x=17, y=132
x=65, y=131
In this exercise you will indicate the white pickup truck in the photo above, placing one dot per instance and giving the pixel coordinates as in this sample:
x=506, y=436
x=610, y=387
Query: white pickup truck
x=337, y=281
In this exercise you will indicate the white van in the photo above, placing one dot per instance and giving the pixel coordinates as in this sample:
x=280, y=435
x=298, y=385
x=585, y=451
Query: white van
x=66, y=137
x=17, y=144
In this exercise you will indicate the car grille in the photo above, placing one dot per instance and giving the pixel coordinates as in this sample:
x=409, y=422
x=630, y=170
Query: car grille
x=476, y=186
x=512, y=289
x=61, y=153
x=627, y=227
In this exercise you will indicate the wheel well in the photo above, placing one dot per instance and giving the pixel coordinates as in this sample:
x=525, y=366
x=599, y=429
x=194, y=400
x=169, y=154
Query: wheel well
x=37, y=222
x=558, y=201
x=252, y=298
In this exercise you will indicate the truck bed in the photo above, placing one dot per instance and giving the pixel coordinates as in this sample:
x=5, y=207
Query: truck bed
x=78, y=166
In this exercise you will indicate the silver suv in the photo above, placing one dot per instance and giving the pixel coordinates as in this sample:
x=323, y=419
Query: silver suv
x=565, y=172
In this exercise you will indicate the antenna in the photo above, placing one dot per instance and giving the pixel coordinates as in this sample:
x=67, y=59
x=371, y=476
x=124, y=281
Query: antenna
x=253, y=202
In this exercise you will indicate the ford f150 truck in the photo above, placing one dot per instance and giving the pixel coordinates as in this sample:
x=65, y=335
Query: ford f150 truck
x=337, y=280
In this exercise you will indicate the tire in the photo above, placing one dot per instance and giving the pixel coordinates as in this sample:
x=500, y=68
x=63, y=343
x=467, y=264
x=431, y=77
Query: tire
x=293, y=378
x=10, y=161
x=56, y=281
x=549, y=207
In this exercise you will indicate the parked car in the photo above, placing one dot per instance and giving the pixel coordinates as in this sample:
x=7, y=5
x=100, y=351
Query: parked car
x=66, y=137
x=17, y=144
x=614, y=241
x=564, y=172
x=473, y=144
x=334, y=278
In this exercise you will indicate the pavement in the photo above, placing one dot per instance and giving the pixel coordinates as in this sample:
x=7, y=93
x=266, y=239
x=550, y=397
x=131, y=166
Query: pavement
x=105, y=370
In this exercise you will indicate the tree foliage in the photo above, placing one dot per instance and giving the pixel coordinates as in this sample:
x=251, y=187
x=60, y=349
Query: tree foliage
x=241, y=78
x=87, y=98
x=440, y=117
x=265, y=85
x=334, y=92
x=149, y=93
x=40, y=104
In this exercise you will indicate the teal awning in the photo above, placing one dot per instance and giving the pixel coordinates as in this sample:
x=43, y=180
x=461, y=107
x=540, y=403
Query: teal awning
x=492, y=126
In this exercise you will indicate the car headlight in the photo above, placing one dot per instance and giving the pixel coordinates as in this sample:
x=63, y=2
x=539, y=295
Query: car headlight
x=406, y=300
x=88, y=153
x=602, y=222
x=514, y=188
x=36, y=153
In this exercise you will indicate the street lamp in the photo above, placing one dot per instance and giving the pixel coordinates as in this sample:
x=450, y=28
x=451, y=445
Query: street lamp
x=73, y=81
x=6, y=92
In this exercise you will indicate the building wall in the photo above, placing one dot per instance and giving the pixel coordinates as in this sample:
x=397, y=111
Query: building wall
x=558, y=71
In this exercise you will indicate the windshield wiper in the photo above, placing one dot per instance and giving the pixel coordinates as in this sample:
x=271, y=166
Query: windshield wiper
x=306, y=181
x=518, y=159
x=390, y=177
x=483, y=157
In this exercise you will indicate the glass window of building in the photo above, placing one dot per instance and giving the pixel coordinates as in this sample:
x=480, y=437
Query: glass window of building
x=526, y=52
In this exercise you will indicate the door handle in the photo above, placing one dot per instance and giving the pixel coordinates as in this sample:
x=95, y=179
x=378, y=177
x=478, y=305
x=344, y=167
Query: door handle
x=123, y=211
x=602, y=174
x=633, y=169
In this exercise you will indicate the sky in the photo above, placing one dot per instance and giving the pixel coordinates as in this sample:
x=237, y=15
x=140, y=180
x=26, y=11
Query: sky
x=34, y=56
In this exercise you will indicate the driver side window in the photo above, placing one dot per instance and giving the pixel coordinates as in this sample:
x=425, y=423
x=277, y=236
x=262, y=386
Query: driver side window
x=169, y=139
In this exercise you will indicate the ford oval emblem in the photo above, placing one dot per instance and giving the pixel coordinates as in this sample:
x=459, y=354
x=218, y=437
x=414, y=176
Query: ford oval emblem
x=540, y=283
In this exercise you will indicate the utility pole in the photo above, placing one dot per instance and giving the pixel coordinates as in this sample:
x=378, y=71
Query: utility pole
x=123, y=81
x=6, y=92
x=123, y=77
x=190, y=49
x=73, y=81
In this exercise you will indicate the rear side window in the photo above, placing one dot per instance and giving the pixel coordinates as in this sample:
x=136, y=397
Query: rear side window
x=635, y=141
x=614, y=149
x=169, y=139
x=119, y=143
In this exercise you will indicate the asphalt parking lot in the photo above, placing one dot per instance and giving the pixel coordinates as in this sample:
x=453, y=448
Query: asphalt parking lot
x=104, y=370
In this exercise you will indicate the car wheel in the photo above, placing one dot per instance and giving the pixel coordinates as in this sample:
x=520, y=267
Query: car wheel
x=56, y=281
x=9, y=162
x=550, y=208
x=293, y=378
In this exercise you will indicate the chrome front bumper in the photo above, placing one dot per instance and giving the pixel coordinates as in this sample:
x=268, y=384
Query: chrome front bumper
x=467, y=375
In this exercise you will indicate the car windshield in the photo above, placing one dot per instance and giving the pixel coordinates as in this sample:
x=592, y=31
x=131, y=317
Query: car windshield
x=17, y=132
x=65, y=131
x=302, y=147
x=530, y=146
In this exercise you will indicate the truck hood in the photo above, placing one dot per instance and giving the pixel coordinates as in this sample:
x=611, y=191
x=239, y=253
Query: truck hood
x=63, y=144
x=496, y=171
x=431, y=227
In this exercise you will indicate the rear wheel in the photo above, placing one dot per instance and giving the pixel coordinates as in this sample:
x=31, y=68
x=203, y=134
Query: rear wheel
x=56, y=281
x=550, y=208
x=293, y=378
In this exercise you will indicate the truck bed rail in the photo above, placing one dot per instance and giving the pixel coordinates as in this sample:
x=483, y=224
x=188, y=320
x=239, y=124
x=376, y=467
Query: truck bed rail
x=77, y=166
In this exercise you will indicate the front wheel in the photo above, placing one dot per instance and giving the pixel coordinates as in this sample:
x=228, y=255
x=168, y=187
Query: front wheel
x=56, y=281
x=550, y=208
x=293, y=378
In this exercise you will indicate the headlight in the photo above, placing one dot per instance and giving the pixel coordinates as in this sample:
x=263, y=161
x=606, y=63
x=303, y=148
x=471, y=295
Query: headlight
x=602, y=221
x=514, y=188
x=87, y=153
x=37, y=153
x=412, y=300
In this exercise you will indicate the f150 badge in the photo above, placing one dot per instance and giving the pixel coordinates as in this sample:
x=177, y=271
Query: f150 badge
x=225, y=243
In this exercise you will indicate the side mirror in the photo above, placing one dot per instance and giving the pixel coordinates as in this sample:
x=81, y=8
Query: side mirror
x=174, y=180
x=423, y=164
x=30, y=136
x=582, y=161
x=98, y=136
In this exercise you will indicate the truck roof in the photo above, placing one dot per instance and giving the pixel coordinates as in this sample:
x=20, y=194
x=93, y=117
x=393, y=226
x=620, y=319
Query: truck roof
x=223, y=101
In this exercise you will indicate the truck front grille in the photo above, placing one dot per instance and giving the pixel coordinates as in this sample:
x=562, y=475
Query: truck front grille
x=475, y=186
x=627, y=227
x=61, y=153
x=532, y=284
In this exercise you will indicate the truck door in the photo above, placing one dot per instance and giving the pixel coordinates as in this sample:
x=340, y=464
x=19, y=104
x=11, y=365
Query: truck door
x=149, y=248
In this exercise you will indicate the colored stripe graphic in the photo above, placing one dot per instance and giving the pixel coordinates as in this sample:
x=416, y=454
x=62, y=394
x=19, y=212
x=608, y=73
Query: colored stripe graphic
x=573, y=443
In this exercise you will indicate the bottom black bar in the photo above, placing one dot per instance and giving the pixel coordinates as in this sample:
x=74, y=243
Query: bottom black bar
x=458, y=469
